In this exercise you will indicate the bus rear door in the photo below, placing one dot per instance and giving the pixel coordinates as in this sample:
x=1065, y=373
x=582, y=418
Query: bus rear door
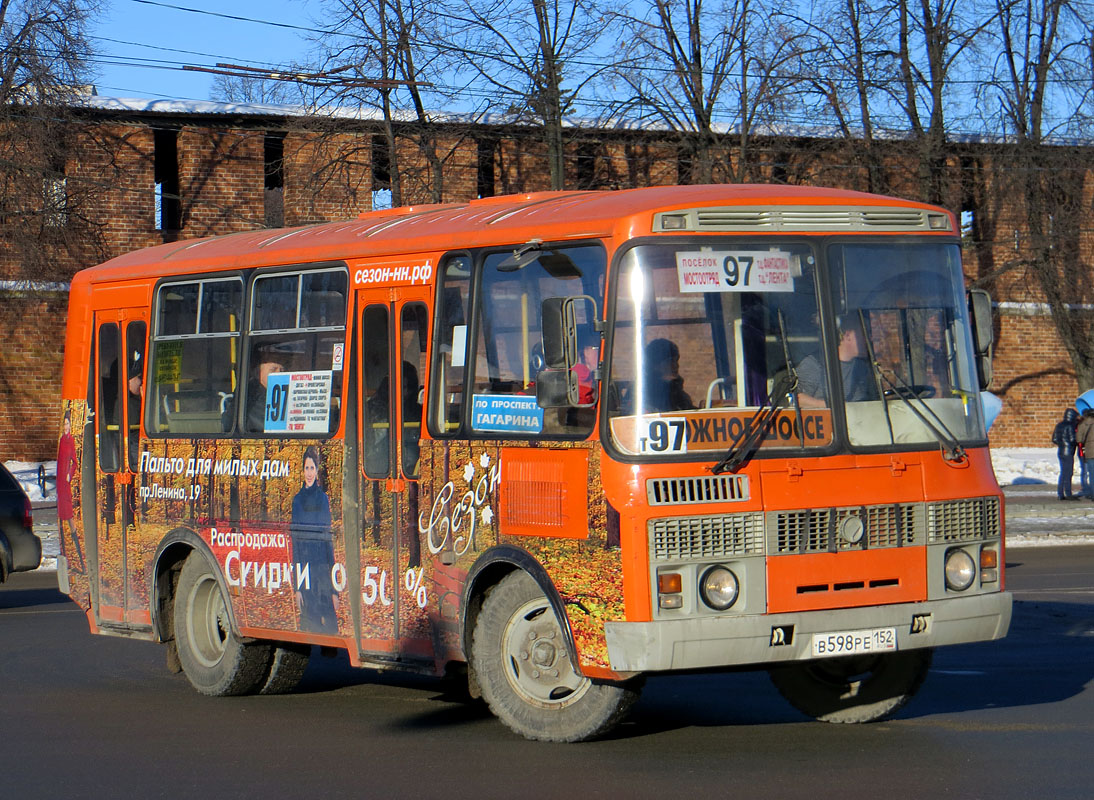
x=394, y=592
x=119, y=365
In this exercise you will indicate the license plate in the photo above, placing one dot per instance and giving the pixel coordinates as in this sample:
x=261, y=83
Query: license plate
x=849, y=643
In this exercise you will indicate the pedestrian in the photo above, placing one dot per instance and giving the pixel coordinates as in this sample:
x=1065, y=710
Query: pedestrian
x=1063, y=436
x=1084, y=436
x=1084, y=474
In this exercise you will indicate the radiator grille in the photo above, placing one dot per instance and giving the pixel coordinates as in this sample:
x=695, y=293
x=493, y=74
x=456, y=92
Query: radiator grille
x=708, y=489
x=707, y=537
x=961, y=520
x=818, y=530
x=821, y=530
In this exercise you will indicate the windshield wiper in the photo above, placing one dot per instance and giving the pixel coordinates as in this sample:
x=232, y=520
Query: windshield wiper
x=745, y=443
x=951, y=448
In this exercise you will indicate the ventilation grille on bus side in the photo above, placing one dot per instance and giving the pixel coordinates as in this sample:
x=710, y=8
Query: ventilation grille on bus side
x=707, y=537
x=706, y=489
x=959, y=520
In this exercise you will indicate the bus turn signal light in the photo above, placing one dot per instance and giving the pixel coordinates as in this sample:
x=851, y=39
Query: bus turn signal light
x=670, y=583
x=669, y=588
x=989, y=565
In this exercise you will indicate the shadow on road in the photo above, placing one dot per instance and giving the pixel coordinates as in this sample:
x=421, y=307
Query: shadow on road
x=12, y=597
x=1047, y=658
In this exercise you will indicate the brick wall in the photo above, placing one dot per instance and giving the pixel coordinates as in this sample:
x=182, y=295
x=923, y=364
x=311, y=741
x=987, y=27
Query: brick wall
x=327, y=176
x=1033, y=376
x=30, y=374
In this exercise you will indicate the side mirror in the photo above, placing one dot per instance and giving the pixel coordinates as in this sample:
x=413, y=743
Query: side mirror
x=982, y=334
x=559, y=332
x=557, y=388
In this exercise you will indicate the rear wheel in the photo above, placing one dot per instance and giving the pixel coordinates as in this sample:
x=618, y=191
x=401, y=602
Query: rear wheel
x=215, y=660
x=523, y=667
x=853, y=689
x=288, y=663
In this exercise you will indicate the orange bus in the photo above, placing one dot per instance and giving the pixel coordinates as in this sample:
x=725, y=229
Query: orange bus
x=558, y=441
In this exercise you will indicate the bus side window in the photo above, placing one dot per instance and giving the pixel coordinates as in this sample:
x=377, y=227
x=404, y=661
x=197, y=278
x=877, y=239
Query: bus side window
x=450, y=367
x=110, y=407
x=298, y=326
x=192, y=382
x=414, y=326
x=134, y=349
x=376, y=365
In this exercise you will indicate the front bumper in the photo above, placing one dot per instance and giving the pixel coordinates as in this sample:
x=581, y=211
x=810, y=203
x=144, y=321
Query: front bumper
x=763, y=639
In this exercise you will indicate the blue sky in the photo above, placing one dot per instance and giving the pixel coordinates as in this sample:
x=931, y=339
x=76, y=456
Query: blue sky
x=143, y=44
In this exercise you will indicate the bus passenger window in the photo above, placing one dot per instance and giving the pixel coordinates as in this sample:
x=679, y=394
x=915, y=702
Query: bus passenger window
x=192, y=382
x=450, y=367
x=414, y=326
x=508, y=350
x=110, y=407
x=376, y=364
x=295, y=352
x=134, y=370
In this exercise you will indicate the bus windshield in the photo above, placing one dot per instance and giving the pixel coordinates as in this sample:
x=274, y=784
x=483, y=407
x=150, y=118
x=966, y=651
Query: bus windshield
x=909, y=300
x=709, y=334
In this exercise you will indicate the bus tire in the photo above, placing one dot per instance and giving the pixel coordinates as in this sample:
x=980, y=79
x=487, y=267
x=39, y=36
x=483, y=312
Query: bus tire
x=534, y=689
x=853, y=689
x=288, y=663
x=212, y=656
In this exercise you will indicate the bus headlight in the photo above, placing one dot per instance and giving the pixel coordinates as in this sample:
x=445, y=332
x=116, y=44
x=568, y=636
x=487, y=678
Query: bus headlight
x=960, y=570
x=719, y=587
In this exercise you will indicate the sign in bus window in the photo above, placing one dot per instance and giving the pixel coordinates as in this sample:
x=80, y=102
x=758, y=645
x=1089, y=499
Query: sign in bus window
x=298, y=402
x=506, y=413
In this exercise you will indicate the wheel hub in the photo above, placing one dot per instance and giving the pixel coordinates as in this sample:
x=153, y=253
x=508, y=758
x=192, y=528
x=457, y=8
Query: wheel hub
x=544, y=654
x=539, y=667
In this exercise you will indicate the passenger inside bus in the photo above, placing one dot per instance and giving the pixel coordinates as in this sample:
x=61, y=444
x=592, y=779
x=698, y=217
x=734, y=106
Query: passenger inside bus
x=266, y=364
x=664, y=386
x=858, y=383
x=588, y=353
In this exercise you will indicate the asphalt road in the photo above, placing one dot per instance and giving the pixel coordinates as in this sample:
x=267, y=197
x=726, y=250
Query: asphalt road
x=86, y=716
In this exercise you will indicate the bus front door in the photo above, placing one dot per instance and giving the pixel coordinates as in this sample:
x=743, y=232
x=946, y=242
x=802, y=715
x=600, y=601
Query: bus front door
x=394, y=588
x=120, y=338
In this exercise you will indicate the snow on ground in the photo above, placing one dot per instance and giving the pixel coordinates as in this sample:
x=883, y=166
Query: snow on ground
x=1026, y=465
x=28, y=473
x=1013, y=467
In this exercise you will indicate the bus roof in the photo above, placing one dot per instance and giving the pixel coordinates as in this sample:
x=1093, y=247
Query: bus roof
x=507, y=219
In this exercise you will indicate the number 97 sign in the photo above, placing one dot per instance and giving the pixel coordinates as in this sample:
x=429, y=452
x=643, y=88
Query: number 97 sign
x=735, y=271
x=662, y=435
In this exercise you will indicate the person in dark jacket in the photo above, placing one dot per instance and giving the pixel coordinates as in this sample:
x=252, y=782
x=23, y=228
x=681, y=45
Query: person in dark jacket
x=313, y=545
x=1063, y=436
x=1084, y=435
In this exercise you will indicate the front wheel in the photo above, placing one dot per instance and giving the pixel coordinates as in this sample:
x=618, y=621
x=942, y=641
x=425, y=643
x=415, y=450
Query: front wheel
x=854, y=688
x=212, y=656
x=523, y=668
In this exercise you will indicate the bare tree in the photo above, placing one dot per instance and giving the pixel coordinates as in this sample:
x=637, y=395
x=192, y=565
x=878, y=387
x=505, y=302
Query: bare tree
x=933, y=48
x=534, y=58
x=384, y=54
x=44, y=51
x=1042, y=85
x=841, y=72
x=278, y=87
x=704, y=70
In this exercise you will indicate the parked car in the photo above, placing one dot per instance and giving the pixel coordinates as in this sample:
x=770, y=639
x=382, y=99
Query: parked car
x=20, y=549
